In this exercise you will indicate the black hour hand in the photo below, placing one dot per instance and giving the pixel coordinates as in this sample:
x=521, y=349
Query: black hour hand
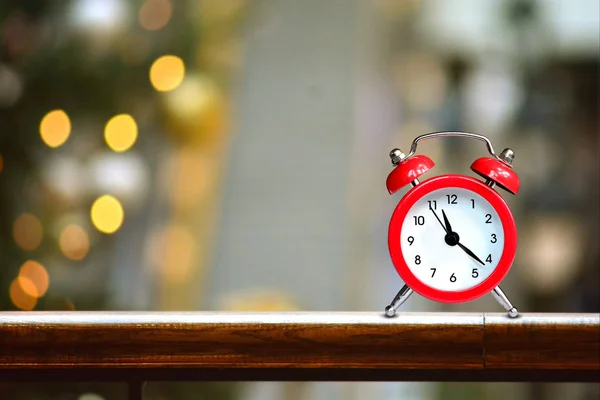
x=446, y=222
x=470, y=253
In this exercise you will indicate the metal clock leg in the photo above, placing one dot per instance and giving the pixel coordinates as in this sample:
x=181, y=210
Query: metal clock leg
x=399, y=299
x=504, y=302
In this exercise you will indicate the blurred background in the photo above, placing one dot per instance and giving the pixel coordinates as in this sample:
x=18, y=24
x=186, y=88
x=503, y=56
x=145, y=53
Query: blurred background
x=232, y=155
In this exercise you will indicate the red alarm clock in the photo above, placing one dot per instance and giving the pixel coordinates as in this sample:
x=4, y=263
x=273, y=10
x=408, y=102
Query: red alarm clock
x=452, y=238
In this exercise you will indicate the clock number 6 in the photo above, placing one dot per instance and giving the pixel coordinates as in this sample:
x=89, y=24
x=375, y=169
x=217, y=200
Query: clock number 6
x=452, y=278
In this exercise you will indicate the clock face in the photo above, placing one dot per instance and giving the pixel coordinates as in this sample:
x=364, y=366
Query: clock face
x=452, y=239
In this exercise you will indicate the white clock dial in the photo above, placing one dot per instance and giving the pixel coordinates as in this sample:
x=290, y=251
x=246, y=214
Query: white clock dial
x=442, y=261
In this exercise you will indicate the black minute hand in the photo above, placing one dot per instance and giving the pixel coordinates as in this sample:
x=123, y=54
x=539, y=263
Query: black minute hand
x=438, y=218
x=469, y=252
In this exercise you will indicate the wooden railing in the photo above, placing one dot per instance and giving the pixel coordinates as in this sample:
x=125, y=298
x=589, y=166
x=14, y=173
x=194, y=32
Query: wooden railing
x=137, y=347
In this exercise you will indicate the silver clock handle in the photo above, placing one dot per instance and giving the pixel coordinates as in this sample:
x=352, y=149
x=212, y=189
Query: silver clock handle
x=433, y=135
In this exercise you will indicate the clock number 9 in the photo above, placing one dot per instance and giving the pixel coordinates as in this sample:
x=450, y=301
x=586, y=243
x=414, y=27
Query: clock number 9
x=452, y=278
x=411, y=240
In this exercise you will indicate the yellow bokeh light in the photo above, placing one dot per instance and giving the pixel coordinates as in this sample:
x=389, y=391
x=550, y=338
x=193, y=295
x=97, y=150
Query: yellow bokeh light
x=190, y=165
x=33, y=278
x=166, y=73
x=120, y=132
x=19, y=297
x=107, y=214
x=173, y=250
x=197, y=111
x=258, y=300
x=55, y=128
x=155, y=14
x=27, y=231
x=74, y=242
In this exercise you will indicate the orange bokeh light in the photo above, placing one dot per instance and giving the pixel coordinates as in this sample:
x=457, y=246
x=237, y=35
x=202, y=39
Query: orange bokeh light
x=155, y=14
x=121, y=132
x=74, y=242
x=33, y=279
x=55, y=128
x=167, y=73
x=27, y=231
x=21, y=299
x=173, y=251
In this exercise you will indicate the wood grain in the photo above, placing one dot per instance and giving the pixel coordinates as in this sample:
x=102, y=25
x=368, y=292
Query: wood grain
x=297, y=346
x=542, y=341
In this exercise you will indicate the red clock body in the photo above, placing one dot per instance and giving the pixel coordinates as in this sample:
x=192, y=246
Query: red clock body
x=458, y=264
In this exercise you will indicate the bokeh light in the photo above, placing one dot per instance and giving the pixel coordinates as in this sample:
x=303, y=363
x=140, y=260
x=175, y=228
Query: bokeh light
x=11, y=84
x=33, y=278
x=121, y=132
x=107, y=214
x=19, y=297
x=271, y=300
x=99, y=17
x=191, y=178
x=166, y=73
x=124, y=175
x=197, y=111
x=55, y=128
x=173, y=250
x=1, y=163
x=27, y=231
x=155, y=14
x=74, y=242
x=90, y=396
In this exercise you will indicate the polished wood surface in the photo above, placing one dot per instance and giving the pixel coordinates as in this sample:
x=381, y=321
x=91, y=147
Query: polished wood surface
x=543, y=342
x=299, y=346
